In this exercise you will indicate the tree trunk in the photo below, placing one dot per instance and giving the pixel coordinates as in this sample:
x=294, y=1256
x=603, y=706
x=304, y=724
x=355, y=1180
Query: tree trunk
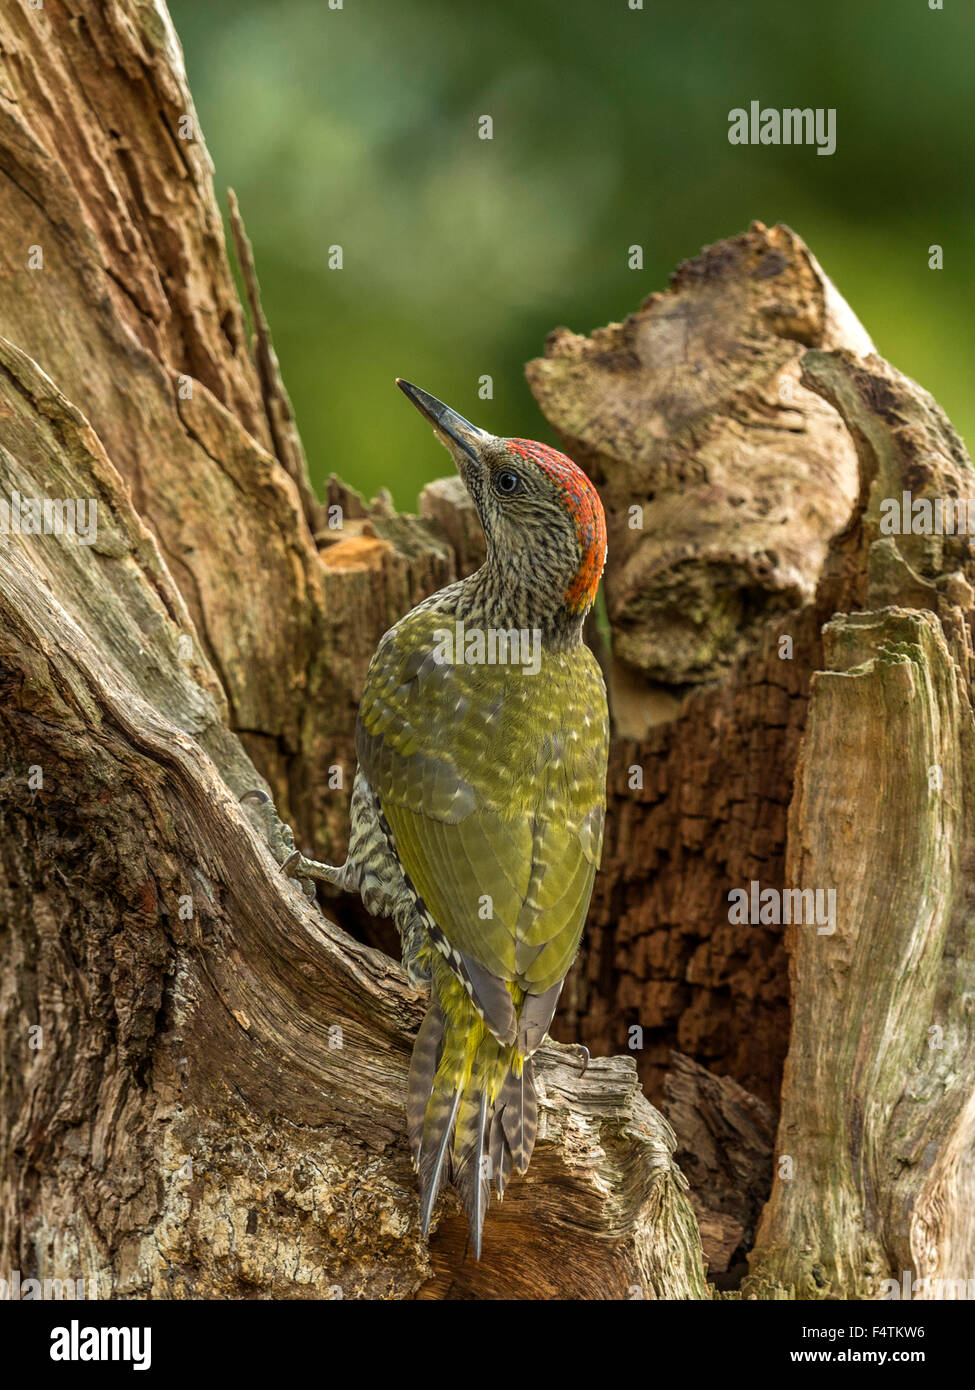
x=203, y=1077
x=724, y=478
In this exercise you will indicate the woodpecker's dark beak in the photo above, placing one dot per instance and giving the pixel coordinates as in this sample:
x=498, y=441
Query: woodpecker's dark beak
x=453, y=430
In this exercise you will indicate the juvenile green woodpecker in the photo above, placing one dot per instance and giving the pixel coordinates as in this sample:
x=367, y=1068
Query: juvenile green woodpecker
x=478, y=803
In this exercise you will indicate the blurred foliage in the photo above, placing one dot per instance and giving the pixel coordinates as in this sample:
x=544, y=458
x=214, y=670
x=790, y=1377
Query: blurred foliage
x=358, y=127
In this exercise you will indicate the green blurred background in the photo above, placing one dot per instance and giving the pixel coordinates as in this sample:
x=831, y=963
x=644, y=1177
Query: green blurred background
x=359, y=127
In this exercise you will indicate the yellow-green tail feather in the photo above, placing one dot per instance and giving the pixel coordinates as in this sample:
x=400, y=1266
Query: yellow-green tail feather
x=471, y=1107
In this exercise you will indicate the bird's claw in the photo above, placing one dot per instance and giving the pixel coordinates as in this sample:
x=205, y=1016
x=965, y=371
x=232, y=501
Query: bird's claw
x=278, y=836
x=305, y=870
x=584, y=1057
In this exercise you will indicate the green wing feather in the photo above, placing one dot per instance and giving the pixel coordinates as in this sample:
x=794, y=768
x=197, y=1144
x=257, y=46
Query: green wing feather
x=492, y=781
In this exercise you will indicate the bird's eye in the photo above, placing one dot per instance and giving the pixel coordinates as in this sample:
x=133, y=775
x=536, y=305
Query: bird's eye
x=507, y=483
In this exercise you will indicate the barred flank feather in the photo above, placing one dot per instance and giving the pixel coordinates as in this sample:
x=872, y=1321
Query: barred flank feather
x=518, y=1106
x=423, y=1068
x=471, y=1107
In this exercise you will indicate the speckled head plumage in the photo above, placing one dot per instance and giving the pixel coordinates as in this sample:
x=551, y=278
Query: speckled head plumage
x=542, y=518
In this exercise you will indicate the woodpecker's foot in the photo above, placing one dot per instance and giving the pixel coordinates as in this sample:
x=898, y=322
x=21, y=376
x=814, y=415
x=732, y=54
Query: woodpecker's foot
x=297, y=866
x=277, y=835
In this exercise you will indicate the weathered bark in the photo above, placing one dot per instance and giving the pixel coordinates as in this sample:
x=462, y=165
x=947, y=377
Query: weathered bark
x=875, y=1155
x=724, y=1148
